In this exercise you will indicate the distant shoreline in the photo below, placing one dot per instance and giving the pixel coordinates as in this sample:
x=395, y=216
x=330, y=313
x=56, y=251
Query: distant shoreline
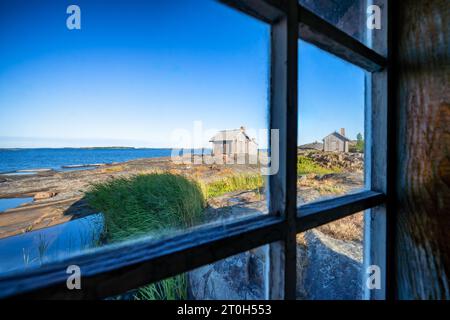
x=29, y=161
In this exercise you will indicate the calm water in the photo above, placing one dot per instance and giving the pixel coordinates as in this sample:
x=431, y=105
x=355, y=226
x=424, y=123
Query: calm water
x=10, y=203
x=28, y=159
x=48, y=244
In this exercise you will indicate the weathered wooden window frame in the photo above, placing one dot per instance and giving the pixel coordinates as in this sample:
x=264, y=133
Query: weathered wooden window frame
x=116, y=269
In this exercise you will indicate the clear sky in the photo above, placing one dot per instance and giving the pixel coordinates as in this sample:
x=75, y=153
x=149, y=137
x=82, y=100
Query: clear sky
x=331, y=95
x=138, y=71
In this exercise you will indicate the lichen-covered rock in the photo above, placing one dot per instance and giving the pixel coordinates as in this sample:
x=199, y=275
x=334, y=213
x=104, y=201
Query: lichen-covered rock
x=240, y=277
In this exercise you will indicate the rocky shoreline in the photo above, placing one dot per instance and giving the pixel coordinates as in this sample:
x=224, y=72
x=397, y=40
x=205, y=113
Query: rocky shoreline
x=58, y=195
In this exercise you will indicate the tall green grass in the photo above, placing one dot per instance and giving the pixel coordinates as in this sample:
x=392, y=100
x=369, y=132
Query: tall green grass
x=146, y=203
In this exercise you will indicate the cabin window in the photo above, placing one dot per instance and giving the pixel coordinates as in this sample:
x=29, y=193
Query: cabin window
x=269, y=242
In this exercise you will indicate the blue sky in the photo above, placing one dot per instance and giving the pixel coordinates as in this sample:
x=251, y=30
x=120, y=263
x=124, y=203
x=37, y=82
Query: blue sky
x=139, y=70
x=331, y=95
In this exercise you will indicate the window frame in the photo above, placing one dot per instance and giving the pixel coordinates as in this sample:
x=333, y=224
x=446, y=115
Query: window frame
x=116, y=269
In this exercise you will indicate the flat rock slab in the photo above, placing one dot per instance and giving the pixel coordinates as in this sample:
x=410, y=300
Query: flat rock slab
x=331, y=270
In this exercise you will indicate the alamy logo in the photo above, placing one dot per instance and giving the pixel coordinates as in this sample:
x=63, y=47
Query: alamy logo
x=374, y=277
x=73, y=21
x=374, y=17
x=74, y=280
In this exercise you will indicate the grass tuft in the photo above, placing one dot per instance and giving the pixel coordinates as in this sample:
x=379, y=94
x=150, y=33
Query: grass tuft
x=174, y=288
x=146, y=203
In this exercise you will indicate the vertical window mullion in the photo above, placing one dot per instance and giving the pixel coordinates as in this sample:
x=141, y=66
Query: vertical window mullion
x=377, y=161
x=283, y=184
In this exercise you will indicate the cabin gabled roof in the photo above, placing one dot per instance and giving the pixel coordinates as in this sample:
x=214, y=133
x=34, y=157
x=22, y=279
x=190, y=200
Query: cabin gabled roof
x=229, y=135
x=226, y=135
x=338, y=135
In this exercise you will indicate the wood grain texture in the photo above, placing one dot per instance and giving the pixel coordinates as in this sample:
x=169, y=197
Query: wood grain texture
x=422, y=242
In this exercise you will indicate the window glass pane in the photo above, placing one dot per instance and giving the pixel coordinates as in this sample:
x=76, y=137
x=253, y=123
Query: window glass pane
x=240, y=277
x=331, y=126
x=362, y=19
x=330, y=261
x=148, y=120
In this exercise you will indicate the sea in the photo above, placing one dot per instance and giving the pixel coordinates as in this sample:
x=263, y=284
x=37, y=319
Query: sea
x=28, y=161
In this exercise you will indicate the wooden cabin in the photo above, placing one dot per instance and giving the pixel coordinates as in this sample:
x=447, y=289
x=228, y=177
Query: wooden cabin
x=336, y=142
x=233, y=143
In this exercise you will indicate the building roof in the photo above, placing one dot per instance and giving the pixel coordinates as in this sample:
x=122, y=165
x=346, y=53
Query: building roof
x=338, y=135
x=229, y=135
